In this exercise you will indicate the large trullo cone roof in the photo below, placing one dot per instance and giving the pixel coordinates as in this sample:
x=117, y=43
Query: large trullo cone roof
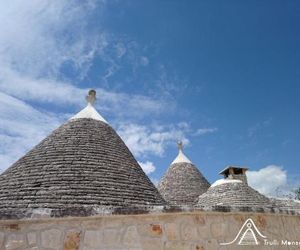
x=82, y=168
x=183, y=182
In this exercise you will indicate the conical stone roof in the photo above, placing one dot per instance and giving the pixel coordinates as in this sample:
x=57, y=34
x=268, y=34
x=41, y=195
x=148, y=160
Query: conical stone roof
x=287, y=205
x=82, y=168
x=233, y=194
x=183, y=182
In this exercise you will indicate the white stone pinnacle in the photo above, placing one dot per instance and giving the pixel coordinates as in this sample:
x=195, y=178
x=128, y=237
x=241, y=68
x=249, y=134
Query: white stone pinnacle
x=181, y=156
x=89, y=111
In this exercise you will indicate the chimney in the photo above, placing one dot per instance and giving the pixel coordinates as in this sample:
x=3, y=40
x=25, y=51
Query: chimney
x=236, y=173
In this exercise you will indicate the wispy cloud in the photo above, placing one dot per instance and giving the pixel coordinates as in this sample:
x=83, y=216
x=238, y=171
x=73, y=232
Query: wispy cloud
x=204, y=131
x=40, y=90
x=150, y=140
x=21, y=127
x=147, y=166
x=39, y=41
x=62, y=93
x=43, y=37
x=253, y=130
x=39, y=37
x=144, y=60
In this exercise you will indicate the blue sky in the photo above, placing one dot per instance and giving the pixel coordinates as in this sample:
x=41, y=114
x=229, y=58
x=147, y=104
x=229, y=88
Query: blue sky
x=223, y=76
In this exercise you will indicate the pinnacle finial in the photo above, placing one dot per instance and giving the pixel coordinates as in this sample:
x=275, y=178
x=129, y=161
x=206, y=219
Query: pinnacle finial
x=91, y=97
x=181, y=156
x=180, y=145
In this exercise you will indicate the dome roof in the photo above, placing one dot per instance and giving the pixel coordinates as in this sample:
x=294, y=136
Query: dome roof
x=287, y=205
x=232, y=193
x=82, y=168
x=183, y=182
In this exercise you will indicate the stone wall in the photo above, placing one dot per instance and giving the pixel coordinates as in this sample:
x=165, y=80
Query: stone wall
x=196, y=230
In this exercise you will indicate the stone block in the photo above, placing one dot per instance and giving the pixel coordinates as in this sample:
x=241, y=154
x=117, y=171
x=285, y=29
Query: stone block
x=204, y=232
x=172, y=231
x=218, y=230
x=189, y=232
x=15, y=241
x=31, y=238
x=111, y=236
x=93, y=238
x=261, y=221
x=131, y=237
x=156, y=229
x=198, y=246
x=199, y=220
x=150, y=230
x=151, y=243
x=51, y=238
x=177, y=245
x=274, y=232
x=234, y=224
x=213, y=244
x=296, y=231
x=72, y=240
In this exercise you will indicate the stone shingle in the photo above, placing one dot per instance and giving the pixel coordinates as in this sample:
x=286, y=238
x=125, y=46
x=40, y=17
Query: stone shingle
x=82, y=167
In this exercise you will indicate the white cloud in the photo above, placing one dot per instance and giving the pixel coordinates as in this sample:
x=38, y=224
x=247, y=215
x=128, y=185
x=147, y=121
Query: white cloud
x=62, y=93
x=203, y=131
x=147, y=166
x=144, y=140
x=21, y=128
x=40, y=90
x=120, y=49
x=38, y=39
x=268, y=180
x=144, y=61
